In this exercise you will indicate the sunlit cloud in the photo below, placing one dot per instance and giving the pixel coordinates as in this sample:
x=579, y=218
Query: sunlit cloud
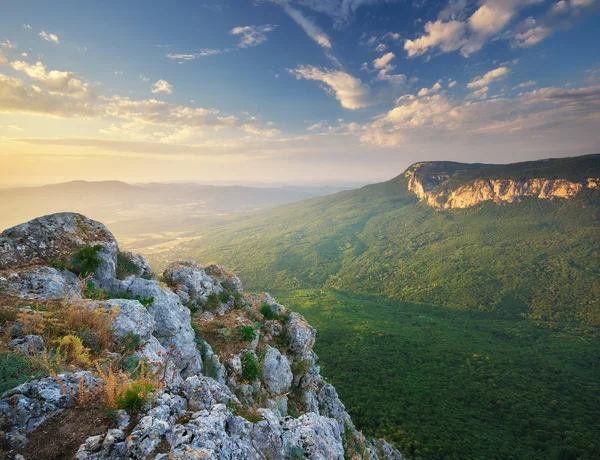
x=49, y=37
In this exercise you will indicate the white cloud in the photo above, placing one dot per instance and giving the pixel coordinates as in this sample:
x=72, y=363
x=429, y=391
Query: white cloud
x=526, y=84
x=349, y=91
x=252, y=35
x=447, y=36
x=162, y=86
x=489, y=77
x=26, y=26
x=311, y=29
x=427, y=91
x=381, y=47
x=118, y=73
x=8, y=45
x=49, y=37
x=480, y=93
x=452, y=84
x=144, y=78
x=55, y=81
x=190, y=57
x=383, y=61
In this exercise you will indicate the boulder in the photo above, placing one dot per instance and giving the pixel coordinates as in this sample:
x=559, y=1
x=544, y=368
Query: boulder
x=42, y=283
x=30, y=345
x=136, y=265
x=301, y=336
x=277, y=374
x=131, y=317
x=191, y=283
x=173, y=327
x=53, y=236
x=203, y=393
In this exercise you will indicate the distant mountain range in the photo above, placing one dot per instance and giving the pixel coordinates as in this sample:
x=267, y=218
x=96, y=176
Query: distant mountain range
x=523, y=237
x=136, y=211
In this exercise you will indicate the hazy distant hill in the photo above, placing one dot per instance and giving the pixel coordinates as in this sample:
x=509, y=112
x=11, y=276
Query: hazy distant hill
x=525, y=236
x=147, y=214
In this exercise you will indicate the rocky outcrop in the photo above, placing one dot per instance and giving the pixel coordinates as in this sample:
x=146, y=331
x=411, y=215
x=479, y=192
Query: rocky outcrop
x=50, y=237
x=233, y=402
x=430, y=187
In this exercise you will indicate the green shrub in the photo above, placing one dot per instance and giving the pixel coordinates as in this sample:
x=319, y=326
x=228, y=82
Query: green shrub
x=246, y=333
x=130, y=364
x=16, y=369
x=301, y=368
x=267, y=311
x=250, y=368
x=296, y=453
x=224, y=296
x=86, y=261
x=91, y=340
x=145, y=301
x=125, y=266
x=134, y=397
x=212, y=302
x=211, y=369
x=131, y=342
x=91, y=291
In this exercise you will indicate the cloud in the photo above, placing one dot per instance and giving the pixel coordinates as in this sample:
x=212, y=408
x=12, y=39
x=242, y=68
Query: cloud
x=311, y=29
x=460, y=28
x=526, y=84
x=8, y=45
x=489, y=77
x=437, y=116
x=162, y=86
x=190, y=57
x=55, y=81
x=49, y=37
x=383, y=61
x=447, y=36
x=452, y=84
x=434, y=89
x=26, y=26
x=144, y=78
x=3, y=59
x=481, y=93
x=351, y=92
x=252, y=35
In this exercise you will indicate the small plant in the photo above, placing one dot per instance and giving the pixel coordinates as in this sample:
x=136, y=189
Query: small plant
x=211, y=369
x=16, y=369
x=91, y=291
x=123, y=392
x=246, y=333
x=296, y=453
x=267, y=311
x=71, y=347
x=145, y=301
x=301, y=368
x=91, y=340
x=133, y=397
x=86, y=261
x=125, y=266
x=131, y=342
x=224, y=296
x=250, y=367
x=130, y=364
x=212, y=303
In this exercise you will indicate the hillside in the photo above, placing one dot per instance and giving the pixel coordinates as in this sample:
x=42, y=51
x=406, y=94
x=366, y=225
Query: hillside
x=531, y=242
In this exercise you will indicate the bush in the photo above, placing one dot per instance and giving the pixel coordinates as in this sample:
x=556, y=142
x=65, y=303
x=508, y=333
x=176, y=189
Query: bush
x=224, y=296
x=246, y=333
x=296, y=453
x=267, y=311
x=250, y=368
x=125, y=266
x=8, y=314
x=212, y=303
x=133, y=397
x=91, y=291
x=91, y=340
x=131, y=342
x=86, y=261
x=71, y=347
x=16, y=369
x=211, y=369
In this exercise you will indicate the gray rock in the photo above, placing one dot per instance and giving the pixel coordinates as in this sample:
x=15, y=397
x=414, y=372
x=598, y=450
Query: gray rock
x=227, y=279
x=172, y=324
x=191, y=283
x=331, y=406
x=277, y=374
x=141, y=268
x=203, y=392
x=160, y=362
x=30, y=345
x=43, y=283
x=132, y=317
x=50, y=237
x=302, y=336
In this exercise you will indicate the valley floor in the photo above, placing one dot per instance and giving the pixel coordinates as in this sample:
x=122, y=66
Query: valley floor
x=448, y=384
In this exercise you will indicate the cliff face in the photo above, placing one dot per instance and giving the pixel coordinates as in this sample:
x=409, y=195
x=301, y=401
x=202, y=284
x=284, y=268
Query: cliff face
x=430, y=187
x=224, y=373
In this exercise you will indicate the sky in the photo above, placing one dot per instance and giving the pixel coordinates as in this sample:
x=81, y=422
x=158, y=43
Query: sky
x=291, y=91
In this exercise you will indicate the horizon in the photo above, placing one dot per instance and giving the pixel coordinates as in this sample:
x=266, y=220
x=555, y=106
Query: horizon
x=292, y=91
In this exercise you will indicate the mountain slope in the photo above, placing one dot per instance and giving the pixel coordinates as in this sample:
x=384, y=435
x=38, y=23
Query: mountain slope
x=540, y=256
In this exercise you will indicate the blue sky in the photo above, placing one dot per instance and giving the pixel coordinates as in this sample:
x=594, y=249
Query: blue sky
x=291, y=91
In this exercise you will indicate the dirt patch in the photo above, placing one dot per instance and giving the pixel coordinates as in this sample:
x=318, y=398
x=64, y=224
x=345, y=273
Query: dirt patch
x=60, y=437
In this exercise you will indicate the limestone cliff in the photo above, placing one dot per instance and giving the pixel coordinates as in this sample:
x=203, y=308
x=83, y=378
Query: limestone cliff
x=433, y=187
